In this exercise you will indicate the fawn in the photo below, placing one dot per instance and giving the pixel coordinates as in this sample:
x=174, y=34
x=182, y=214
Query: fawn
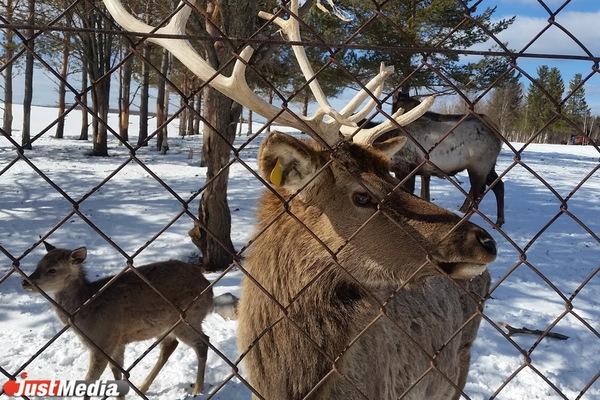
x=128, y=310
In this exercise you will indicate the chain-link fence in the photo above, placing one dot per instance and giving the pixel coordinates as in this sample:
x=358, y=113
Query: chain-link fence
x=345, y=239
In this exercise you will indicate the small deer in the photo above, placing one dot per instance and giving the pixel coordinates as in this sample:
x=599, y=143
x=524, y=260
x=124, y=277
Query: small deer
x=128, y=310
x=471, y=146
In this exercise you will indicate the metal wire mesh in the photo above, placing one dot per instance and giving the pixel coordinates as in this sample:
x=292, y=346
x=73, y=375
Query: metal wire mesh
x=134, y=45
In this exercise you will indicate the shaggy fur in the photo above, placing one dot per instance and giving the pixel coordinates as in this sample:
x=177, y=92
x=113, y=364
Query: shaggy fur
x=320, y=348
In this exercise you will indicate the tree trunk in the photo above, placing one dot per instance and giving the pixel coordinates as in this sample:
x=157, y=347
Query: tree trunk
x=100, y=99
x=305, y=102
x=237, y=18
x=183, y=107
x=217, y=251
x=160, y=103
x=9, y=46
x=145, y=92
x=26, y=133
x=249, y=131
x=62, y=89
x=198, y=112
x=271, y=95
x=191, y=117
x=83, y=135
x=240, y=122
x=125, y=98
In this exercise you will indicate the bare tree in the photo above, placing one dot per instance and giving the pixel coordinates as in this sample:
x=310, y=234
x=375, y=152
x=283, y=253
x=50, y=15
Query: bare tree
x=83, y=135
x=62, y=89
x=126, y=72
x=8, y=53
x=198, y=112
x=161, y=103
x=28, y=98
x=235, y=19
x=144, y=94
x=97, y=50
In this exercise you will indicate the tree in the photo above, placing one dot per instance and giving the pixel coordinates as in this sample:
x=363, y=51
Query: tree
x=98, y=51
x=541, y=98
x=162, y=101
x=28, y=98
x=8, y=47
x=236, y=18
x=62, y=89
x=576, y=106
x=125, y=74
x=416, y=23
x=83, y=135
x=506, y=106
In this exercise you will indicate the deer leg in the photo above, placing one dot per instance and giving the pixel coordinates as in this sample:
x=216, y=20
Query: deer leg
x=119, y=358
x=498, y=190
x=201, y=349
x=477, y=188
x=96, y=367
x=199, y=342
x=167, y=347
x=425, y=180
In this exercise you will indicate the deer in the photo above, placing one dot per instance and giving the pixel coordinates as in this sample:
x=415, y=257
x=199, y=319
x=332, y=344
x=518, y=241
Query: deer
x=354, y=288
x=470, y=145
x=128, y=309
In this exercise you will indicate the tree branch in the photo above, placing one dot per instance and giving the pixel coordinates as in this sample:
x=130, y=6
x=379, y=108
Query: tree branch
x=526, y=331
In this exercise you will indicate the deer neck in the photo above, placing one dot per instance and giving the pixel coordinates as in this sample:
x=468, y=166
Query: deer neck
x=75, y=292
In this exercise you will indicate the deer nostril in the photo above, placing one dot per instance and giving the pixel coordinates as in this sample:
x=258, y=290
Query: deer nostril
x=488, y=243
x=25, y=284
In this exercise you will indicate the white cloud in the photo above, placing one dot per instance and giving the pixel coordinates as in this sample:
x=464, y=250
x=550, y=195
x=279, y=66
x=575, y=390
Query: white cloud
x=536, y=2
x=582, y=25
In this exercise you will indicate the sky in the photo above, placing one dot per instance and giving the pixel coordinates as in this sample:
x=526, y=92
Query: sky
x=578, y=16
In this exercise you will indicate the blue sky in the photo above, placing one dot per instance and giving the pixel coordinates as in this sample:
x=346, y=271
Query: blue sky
x=581, y=17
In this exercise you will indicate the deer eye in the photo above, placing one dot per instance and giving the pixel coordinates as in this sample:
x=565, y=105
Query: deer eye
x=51, y=271
x=362, y=199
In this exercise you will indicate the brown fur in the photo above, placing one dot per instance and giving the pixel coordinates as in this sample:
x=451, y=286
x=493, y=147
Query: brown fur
x=128, y=310
x=327, y=307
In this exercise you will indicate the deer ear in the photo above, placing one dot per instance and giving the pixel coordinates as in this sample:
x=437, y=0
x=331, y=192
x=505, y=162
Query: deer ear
x=78, y=255
x=48, y=246
x=391, y=146
x=287, y=162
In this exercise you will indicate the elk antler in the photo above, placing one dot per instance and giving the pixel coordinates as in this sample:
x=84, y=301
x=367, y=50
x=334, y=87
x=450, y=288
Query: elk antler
x=325, y=125
x=347, y=120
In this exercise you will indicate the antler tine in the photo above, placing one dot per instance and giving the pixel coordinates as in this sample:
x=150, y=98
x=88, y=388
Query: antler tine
x=235, y=86
x=375, y=86
x=368, y=136
x=291, y=29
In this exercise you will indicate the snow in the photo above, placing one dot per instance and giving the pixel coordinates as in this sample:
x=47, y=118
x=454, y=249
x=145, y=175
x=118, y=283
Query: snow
x=132, y=207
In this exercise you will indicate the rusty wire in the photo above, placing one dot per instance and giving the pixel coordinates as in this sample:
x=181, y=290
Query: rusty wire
x=333, y=49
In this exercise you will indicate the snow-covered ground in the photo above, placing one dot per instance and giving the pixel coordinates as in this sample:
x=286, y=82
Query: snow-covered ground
x=132, y=207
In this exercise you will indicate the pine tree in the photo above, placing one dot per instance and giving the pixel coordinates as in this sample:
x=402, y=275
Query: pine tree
x=417, y=23
x=555, y=87
x=576, y=107
x=541, y=98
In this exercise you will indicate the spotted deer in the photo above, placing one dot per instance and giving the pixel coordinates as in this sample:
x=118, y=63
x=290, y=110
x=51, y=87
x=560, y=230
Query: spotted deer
x=128, y=310
x=358, y=289
x=470, y=145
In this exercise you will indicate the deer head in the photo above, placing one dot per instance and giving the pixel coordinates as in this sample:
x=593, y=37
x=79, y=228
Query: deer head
x=57, y=269
x=356, y=185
